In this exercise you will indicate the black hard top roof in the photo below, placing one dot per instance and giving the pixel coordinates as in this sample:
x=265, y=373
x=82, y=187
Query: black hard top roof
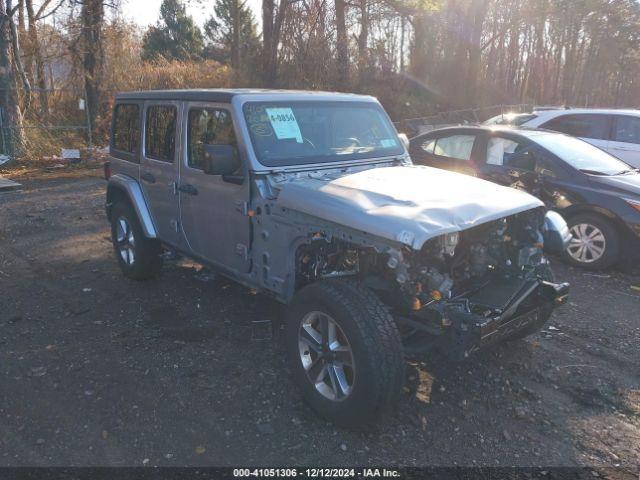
x=208, y=95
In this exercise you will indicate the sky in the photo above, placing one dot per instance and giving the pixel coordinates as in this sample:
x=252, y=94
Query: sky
x=146, y=12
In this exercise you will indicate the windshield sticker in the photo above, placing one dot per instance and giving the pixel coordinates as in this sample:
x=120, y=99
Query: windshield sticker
x=388, y=142
x=284, y=123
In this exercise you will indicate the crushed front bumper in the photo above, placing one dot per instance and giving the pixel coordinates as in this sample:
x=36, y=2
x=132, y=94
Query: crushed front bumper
x=501, y=310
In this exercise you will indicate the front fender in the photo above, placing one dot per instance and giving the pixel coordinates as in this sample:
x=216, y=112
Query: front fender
x=129, y=187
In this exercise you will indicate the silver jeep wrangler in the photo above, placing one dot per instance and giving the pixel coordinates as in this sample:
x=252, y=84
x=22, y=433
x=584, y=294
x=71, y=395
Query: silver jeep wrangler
x=311, y=198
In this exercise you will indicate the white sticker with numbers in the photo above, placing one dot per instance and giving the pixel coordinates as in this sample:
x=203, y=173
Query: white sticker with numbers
x=284, y=123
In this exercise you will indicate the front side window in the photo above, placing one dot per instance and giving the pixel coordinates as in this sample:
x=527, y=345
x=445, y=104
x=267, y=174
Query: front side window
x=305, y=132
x=455, y=146
x=429, y=145
x=585, y=126
x=126, y=128
x=160, y=138
x=627, y=129
x=208, y=126
x=501, y=150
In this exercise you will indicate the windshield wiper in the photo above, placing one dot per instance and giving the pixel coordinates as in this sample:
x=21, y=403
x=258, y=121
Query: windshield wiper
x=629, y=170
x=592, y=172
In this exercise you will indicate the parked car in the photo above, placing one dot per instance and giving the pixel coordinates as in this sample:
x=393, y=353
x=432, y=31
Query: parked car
x=613, y=130
x=311, y=198
x=597, y=194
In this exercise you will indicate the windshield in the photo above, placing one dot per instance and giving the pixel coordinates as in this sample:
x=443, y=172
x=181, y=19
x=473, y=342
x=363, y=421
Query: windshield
x=515, y=119
x=582, y=155
x=294, y=133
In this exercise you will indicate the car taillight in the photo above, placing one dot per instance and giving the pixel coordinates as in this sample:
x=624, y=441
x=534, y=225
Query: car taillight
x=107, y=170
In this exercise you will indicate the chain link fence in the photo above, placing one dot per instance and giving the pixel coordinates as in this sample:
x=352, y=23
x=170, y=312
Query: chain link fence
x=417, y=126
x=55, y=126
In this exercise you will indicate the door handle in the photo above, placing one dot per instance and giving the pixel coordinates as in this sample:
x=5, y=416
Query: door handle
x=147, y=177
x=188, y=189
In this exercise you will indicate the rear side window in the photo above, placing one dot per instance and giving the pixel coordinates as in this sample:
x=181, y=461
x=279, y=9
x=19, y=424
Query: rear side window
x=455, y=146
x=160, y=138
x=208, y=126
x=627, y=129
x=126, y=128
x=585, y=126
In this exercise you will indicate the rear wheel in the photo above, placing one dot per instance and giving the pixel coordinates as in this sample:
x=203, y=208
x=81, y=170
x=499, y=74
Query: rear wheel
x=345, y=351
x=138, y=256
x=595, y=242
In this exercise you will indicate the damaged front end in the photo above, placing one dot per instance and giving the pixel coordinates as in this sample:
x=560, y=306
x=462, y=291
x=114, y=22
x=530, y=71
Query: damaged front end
x=464, y=291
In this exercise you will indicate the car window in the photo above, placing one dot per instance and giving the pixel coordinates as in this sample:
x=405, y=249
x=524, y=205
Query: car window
x=428, y=145
x=455, y=146
x=583, y=125
x=627, y=129
x=498, y=148
x=160, y=138
x=510, y=153
x=126, y=128
x=305, y=132
x=207, y=126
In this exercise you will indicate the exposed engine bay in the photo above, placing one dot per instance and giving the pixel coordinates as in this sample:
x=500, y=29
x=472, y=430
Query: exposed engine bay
x=458, y=282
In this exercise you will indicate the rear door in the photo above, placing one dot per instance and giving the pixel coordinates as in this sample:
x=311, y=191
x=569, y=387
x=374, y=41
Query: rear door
x=449, y=150
x=625, y=139
x=158, y=167
x=213, y=207
x=594, y=128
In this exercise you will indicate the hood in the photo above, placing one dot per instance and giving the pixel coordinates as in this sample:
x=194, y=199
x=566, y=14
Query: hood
x=629, y=184
x=404, y=204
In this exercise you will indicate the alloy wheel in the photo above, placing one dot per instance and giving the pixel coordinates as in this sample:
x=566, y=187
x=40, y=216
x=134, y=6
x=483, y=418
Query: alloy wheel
x=326, y=356
x=588, y=243
x=125, y=241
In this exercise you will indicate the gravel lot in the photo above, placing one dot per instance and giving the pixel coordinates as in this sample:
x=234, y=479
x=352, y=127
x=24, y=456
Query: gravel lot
x=96, y=369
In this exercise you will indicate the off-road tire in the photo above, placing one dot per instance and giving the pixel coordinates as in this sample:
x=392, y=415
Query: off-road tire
x=147, y=262
x=612, y=237
x=375, y=343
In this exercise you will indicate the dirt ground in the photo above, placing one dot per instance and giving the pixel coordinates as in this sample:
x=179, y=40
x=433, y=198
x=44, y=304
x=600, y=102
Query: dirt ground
x=96, y=369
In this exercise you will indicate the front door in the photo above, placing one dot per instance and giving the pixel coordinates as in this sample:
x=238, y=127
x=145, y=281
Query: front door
x=510, y=162
x=158, y=167
x=213, y=207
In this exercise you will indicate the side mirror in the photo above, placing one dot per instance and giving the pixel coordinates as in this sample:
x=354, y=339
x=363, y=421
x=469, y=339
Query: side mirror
x=220, y=159
x=404, y=139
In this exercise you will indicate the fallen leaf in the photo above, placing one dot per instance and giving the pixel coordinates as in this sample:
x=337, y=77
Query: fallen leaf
x=200, y=450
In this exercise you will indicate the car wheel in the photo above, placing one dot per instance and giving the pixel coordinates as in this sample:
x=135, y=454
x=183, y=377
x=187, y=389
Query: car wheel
x=138, y=256
x=595, y=242
x=345, y=352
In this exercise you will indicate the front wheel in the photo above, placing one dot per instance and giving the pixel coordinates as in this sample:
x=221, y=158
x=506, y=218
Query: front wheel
x=595, y=242
x=345, y=352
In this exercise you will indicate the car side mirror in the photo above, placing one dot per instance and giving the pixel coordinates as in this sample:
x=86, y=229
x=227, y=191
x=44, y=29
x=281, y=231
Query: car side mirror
x=404, y=139
x=220, y=159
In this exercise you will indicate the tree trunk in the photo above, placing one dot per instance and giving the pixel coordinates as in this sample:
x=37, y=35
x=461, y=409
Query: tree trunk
x=419, y=47
x=40, y=78
x=342, y=46
x=235, y=41
x=11, y=135
x=92, y=20
x=268, y=67
x=363, y=42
